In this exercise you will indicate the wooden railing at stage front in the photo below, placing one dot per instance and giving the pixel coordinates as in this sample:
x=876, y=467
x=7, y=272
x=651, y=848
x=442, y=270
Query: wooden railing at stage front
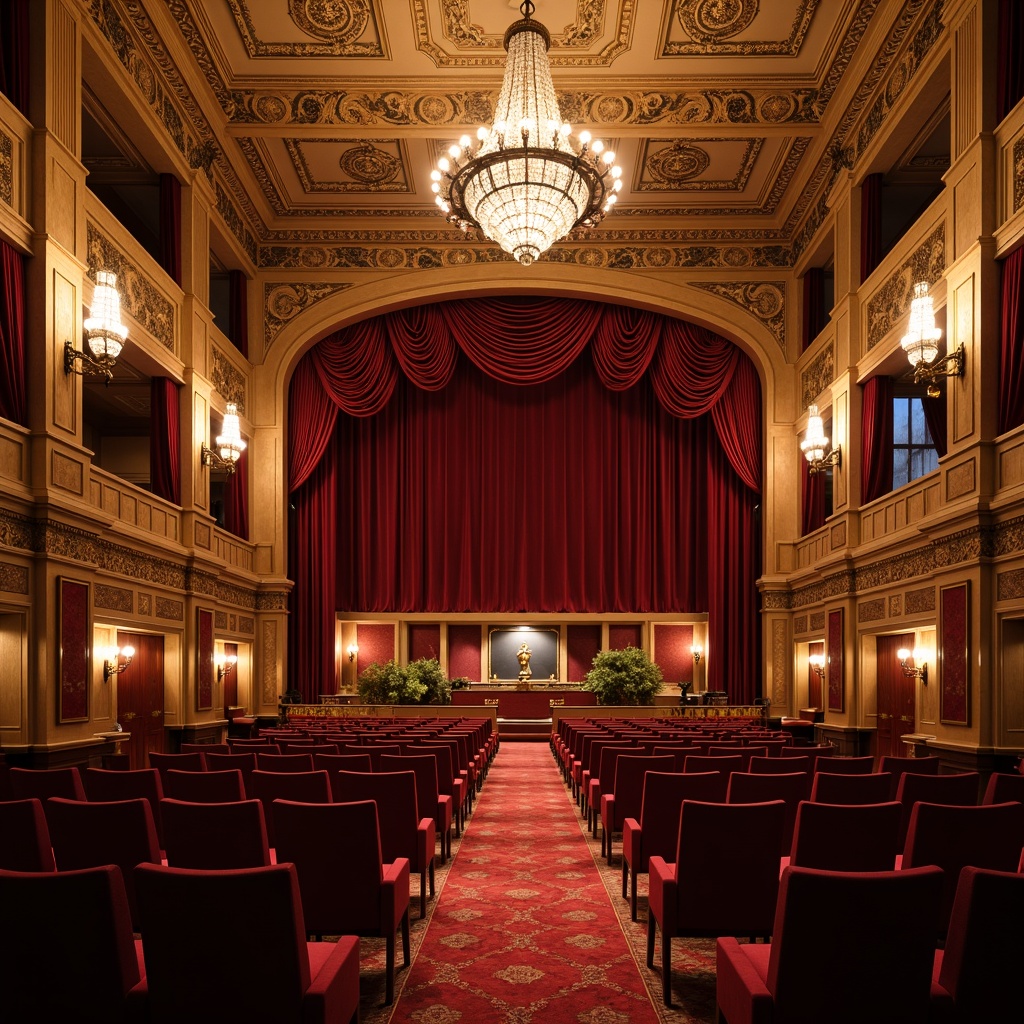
x=320, y=712
x=736, y=713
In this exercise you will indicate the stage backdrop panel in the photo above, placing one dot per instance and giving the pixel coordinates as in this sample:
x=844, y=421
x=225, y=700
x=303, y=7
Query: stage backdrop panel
x=672, y=643
x=624, y=634
x=464, y=652
x=583, y=643
x=376, y=642
x=424, y=640
x=505, y=642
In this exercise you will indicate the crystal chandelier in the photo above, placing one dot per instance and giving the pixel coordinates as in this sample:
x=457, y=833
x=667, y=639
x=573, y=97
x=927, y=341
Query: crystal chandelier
x=228, y=446
x=921, y=343
x=528, y=183
x=104, y=332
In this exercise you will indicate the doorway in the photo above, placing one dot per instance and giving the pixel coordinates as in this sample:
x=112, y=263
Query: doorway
x=140, y=697
x=896, y=713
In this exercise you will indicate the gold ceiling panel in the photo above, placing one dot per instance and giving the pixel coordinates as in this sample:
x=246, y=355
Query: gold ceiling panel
x=339, y=165
x=308, y=28
x=764, y=28
x=707, y=165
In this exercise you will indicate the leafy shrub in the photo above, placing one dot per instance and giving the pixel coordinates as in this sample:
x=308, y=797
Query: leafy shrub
x=427, y=672
x=624, y=677
x=389, y=684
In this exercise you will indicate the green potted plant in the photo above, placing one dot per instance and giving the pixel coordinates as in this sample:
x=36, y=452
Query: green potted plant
x=427, y=672
x=624, y=677
x=389, y=684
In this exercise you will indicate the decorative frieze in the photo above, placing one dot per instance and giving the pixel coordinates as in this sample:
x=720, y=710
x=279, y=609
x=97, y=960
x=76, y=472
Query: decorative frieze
x=817, y=622
x=271, y=601
x=13, y=578
x=246, y=624
x=145, y=604
x=6, y=168
x=1018, y=174
x=227, y=379
x=895, y=606
x=1010, y=585
x=114, y=599
x=800, y=624
x=283, y=302
x=780, y=663
x=917, y=601
x=168, y=608
x=871, y=611
x=765, y=300
x=340, y=27
x=220, y=619
x=819, y=375
x=268, y=659
x=236, y=223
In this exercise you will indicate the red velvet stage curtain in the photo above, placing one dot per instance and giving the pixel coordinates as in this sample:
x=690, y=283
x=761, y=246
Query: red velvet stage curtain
x=238, y=315
x=876, y=438
x=1011, y=342
x=935, y=417
x=13, y=405
x=587, y=491
x=14, y=52
x=1010, y=58
x=812, y=504
x=170, y=226
x=165, y=440
x=236, y=499
x=870, y=224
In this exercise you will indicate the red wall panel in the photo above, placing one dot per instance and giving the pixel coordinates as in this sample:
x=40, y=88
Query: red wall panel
x=583, y=643
x=464, y=652
x=623, y=634
x=424, y=640
x=672, y=643
x=376, y=643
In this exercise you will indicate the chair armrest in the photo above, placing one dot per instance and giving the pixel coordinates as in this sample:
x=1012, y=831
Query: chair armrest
x=608, y=811
x=394, y=891
x=332, y=990
x=741, y=992
x=662, y=893
x=426, y=836
x=632, y=843
x=444, y=808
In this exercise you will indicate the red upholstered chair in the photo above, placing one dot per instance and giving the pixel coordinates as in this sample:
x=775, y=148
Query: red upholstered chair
x=241, y=760
x=258, y=744
x=193, y=762
x=299, y=982
x=744, y=752
x=779, y=765
x=42, y=783
x=305, y=787
x=375, y=750
x=101, y=784
x=731, y=852
x=835, y=765
x=811, y=753
x=859, y=972
x=626, y=798
x=333, y=763
x=69, y=953
x=463, y=772
x=677, y=751
x=591, y=770
x=978, y=970
x=309, y=747
x=726, y=764
x=328, y=842
x=752, y=788
x=448, y=782
x=850, y=789
x=846, y=837
x=205, y=748
x=656, y=832
x=961, y=789
x=1003, y=786
x=284, y=762
x=215, y=836
x=951, y=837
x=429, y=798
x=24, y=836
x=219, y=787
x=90, y=834
x=898, y=765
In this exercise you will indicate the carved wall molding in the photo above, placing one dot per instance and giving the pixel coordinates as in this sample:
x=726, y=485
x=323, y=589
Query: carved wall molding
x=819, y=375
x=895, y=606
x=145, y=604
x=339, y=25
x=220, y=619
x=890, y=305
x=818, y=621
x=1010, y=585
x=168, y=608
x=765, y=300
x=1018, y=174
x=140, y=298
x=272, y=601
x=246, y=624
x=115, y=599
x=13, y=578
x=6, y=168
x=871, y=611
x=236, y=223
x=917, y=601
x=780, y=663
x=268, y=659
x=227, y=378
x=283, y=302
x=800, y=624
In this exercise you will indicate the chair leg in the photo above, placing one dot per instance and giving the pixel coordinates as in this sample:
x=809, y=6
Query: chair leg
x=610, y=840
x=389, y=970
x=405, y=939
x=650, y=940
x=423, y=894
x=666, y=968
x=431, y=870
x=625, y=878
x=632, y=896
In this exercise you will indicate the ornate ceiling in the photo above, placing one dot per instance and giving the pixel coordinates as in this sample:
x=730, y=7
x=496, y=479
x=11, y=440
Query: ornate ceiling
x=319, y=120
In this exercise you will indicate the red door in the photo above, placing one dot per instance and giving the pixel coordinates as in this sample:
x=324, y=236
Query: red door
x=140, y=697
x=896, y=715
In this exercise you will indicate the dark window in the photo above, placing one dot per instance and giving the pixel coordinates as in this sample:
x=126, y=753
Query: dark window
x=913, y=451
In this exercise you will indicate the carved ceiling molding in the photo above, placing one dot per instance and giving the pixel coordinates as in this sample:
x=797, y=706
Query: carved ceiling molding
x=710, y=24
x=236, y=223
x=677, y=163
x=283, y=302
x=819, y=375
x=371, y=169
x=338, y=24
x=483, y=50
x=765, y=300
x=140, y=298
x=890, y=305
x=6, y=168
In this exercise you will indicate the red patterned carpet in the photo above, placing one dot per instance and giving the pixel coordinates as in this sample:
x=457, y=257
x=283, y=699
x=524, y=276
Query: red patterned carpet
x=527, y=928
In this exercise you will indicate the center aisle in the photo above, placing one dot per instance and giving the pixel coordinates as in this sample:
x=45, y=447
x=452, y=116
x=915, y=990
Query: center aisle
x=524, y=930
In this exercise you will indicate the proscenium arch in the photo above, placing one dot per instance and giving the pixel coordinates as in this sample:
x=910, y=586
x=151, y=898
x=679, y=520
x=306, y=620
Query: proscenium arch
x=272, y=378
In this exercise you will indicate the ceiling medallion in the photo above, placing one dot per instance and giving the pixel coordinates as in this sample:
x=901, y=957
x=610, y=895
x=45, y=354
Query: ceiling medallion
x=708, y=21
x=528, y=184
x=678, y=162
x=341, y=21
x=369, y=165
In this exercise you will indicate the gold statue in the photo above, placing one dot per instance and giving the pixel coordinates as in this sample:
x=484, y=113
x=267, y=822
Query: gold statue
x=523, y=657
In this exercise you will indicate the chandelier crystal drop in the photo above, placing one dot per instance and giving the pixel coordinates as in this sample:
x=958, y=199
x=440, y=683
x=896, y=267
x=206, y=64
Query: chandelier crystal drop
x=529, y=182
x=103, y=328
x=229, y=441
x=921, y=342
x=815, y=442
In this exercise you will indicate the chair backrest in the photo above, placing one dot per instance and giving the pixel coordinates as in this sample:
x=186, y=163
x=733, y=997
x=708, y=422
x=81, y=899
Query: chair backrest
x=305, y=787
x=662, y=803
x=71, y=956
x=744, y=752
x=709, y=763
x=332, y=763
x=43, y=783
x=836, y=765
x=263, y=743
x=985, y=946
x=425, y=767
x=205, y=748
x=242, y=760
x=284, y=762
x=309, y=748
x=596, y=757
x=812, y=753
x=264, y=926
x=779, y=765
x=102, y=784
x=850, y=789
x=90, y=834
x=846, y=837
x=898, y=765
x=718, y=844
x=326, y=842
x=193, y=762
x=753, y=788
x=952, y=837
x=1003, y=786
x=397, y=812
x=215, y=836
x=884, y=973
x=960, y=789
x=374, y=750
x=219, y=787
x=24, y=836
x=445, y=769
x=628, y=785
x=677, y=751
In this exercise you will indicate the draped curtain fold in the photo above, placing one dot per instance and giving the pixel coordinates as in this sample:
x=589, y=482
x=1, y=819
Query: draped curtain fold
x=812, y=503
x=13, y=404
x=170, y=226
x=587, y=491
x=876, y=438
x=236, y=498
x=165, y=440
x=935, y=417
x=1011, y=341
